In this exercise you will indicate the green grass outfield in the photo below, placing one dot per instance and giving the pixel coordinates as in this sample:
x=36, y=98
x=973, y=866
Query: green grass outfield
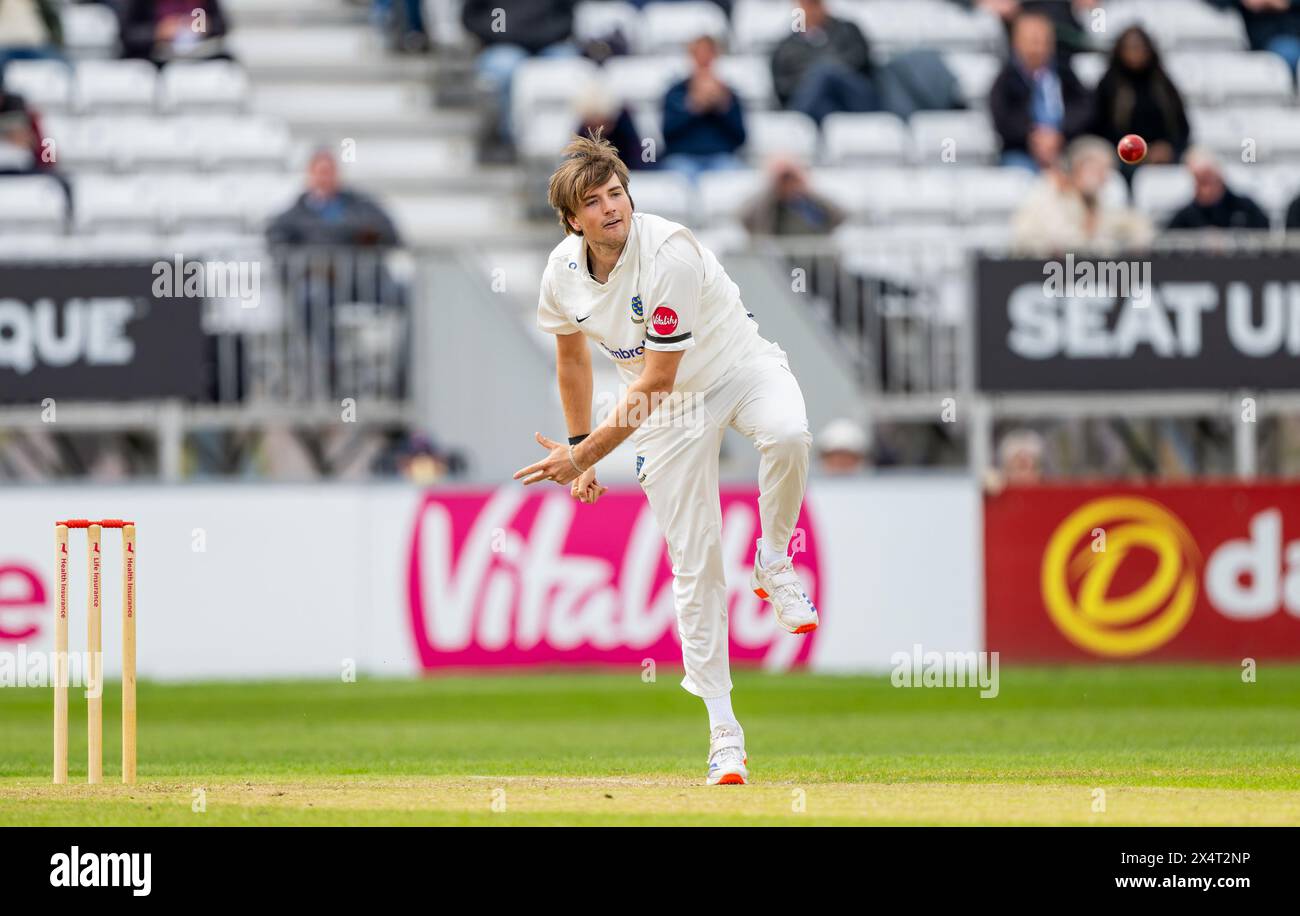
x=1186, y=745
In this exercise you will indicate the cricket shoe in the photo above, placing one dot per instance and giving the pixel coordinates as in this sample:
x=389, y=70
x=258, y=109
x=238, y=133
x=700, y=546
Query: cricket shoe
x=727, y=757
x=780, y=585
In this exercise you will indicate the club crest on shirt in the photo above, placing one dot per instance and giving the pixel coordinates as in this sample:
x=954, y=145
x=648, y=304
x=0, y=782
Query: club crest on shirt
x=638, y=311
x=640, y=460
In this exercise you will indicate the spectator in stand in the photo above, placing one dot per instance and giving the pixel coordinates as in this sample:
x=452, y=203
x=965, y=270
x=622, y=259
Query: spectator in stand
x=167, y=30
x=1214, y=205
x=788, y=206
x=29, y=30
x=1136, y=96
x=642, y=4
x=1271, y=25
x=329, y=214
x=1066, y=17
x=402, y=22
x=704, y=121
x=1067, y=211
x=22, y=146
x=1293, y=215
x=1020, y=458
x=511, y=31
x=598, y=110
x=1037, y=103
x=843, y=448
x=825, y=68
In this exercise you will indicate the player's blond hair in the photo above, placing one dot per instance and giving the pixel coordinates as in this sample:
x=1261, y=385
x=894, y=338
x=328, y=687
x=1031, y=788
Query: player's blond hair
x=588, y=163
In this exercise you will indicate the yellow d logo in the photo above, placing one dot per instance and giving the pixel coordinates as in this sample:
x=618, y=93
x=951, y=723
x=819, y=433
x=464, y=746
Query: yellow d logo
x=1076, y=577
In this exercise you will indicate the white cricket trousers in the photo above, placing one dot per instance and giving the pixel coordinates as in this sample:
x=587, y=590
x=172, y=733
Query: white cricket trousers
x=678, y=469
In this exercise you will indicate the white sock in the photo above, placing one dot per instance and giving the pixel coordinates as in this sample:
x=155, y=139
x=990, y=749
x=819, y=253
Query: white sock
x=767, y=556
x=720, y=711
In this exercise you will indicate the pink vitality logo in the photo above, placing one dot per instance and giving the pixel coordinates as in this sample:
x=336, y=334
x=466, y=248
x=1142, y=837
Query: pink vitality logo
x=516, y=577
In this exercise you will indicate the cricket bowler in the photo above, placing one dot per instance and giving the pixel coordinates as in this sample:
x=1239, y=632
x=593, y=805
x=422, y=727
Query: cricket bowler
x=658, y=303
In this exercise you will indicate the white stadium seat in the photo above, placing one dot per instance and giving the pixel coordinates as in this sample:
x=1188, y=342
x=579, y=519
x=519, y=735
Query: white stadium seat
x=33, y=202
x=670, y=26
x=643, y=79
x=548, y=84
x=107, y=202
x=900, y=24
x=780, y=132
x=116, y=84
x=759, y=25
x=1174, y=25
x=44, y=84
x=664, y=193
x=198, y=201
x=597, y=20
x=1228, y=78
x=227, y=141
x=203, y=84
x=750, y=77
x=991, y=194
x=89, y=30
x=724, y=194
x=967, y=136
x=1089, y=67
x=975, y=73
x=1159, y=190
x=874, y=138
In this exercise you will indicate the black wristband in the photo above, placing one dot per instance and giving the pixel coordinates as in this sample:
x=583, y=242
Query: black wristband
x=574, y=440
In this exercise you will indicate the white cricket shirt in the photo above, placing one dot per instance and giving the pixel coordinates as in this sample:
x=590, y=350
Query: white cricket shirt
x=667, y=292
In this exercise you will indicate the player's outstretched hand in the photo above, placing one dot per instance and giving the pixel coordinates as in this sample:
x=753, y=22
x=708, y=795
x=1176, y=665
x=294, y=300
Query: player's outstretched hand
x=585, y=488
x=555, y=466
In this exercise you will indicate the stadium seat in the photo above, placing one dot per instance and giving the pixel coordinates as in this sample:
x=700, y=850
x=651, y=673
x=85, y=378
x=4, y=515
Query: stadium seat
x=670, y=26
x=263, y=196
x=925, y=195
x=1224, y=78
x=991, y=194
x=116, y=202
x=875, y=138
x=642, y=79
x=116, y=84
x=542, y=135
x=1089, y=67
x=33, y=202
x=309, y=47
x=780, y=131
x=222, y=141
x=89, y=30
x=969, y=135
x=548, y=84
x=592, y=20
x=895, y=25
x=44, y=84
x=205, y=84
x=724, y=194
x=759, y=25
x=1159, y=190
x=1175, y=25
x=197, y=201
x=750, y=77
x=667, y=194
x=975, y=73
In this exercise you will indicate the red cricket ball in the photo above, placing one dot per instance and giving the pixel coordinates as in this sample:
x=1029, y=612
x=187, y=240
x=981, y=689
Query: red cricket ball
x=1132, y=149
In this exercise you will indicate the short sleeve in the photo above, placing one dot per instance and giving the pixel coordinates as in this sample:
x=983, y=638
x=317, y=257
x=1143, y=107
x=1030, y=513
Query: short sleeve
x=674, y=306
x=550, y=317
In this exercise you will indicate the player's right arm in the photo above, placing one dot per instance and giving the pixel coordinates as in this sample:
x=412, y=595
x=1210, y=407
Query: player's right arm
x=573, y=374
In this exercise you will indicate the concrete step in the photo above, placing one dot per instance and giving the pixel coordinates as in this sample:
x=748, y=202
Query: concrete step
x=245, y=13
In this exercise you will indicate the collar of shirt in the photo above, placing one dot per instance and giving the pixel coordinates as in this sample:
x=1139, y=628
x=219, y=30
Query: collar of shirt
x=627, y=246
